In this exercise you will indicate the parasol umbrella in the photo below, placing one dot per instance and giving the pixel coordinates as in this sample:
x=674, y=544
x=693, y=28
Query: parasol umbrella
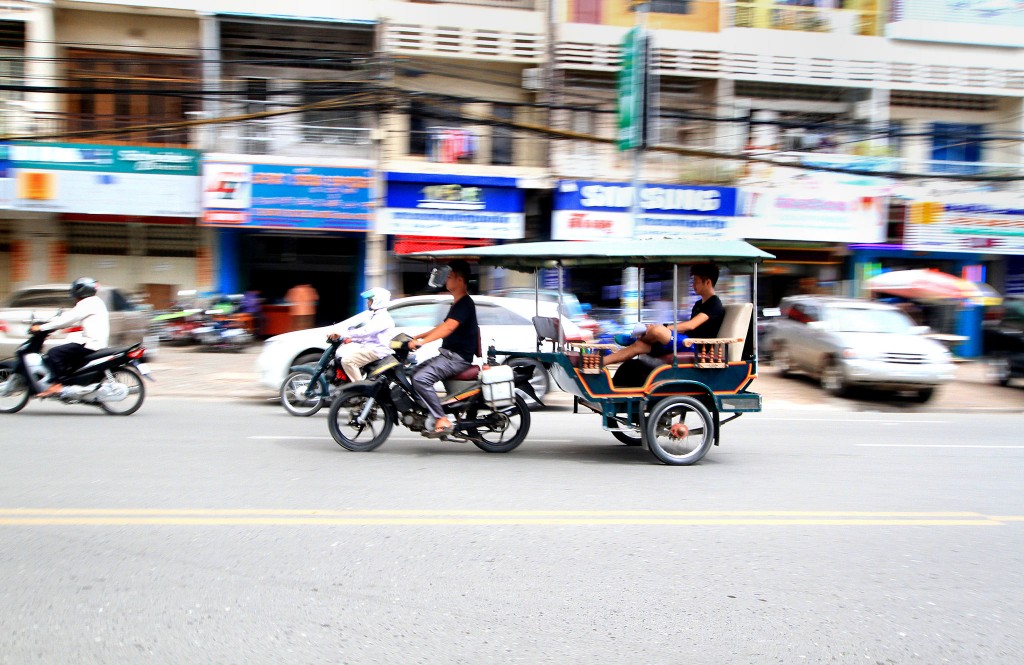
x=931, y=284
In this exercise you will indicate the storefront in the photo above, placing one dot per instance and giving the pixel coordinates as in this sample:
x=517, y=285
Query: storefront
x=978, y=241
x=279, y=224
x=125, y=215
x=426, y=211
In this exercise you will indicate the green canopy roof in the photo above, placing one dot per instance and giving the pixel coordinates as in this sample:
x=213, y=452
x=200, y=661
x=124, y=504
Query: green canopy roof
x=612, y=253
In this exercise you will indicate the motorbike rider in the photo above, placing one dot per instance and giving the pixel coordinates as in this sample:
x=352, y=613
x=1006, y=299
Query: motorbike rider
x=369, y=341
x=460, y=334
x=92, y=314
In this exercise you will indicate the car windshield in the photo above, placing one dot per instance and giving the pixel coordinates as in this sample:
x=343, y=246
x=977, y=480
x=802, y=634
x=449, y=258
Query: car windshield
x=41, y=299
x=869, y=320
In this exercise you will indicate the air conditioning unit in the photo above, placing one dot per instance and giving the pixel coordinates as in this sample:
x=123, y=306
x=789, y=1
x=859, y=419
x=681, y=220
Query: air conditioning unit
x=533, y=78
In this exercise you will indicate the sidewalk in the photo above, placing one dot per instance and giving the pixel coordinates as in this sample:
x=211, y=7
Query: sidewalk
x=191, y=372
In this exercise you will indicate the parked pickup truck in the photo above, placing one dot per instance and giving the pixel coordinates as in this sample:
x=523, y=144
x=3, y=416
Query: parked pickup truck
x=128, y=324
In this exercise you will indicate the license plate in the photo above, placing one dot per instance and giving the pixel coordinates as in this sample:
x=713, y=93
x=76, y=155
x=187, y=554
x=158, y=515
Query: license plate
x=144, y=368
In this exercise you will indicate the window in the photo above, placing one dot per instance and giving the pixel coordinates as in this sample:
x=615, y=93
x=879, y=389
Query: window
x=586, y=11
x=493, y=315
x=501, y=137
x=37, y=298
x=417, y=315
x=114, y=95
x=325, y=125
x=956, y=142
x=669, y=7
x=418, y=133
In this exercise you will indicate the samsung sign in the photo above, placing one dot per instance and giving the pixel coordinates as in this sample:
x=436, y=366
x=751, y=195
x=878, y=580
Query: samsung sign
x=591, y=210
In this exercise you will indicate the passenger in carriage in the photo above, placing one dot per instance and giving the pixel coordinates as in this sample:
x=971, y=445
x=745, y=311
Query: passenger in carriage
x=705, y=320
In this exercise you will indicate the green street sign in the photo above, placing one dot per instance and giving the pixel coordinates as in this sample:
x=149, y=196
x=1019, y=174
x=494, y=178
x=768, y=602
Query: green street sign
x=631, y=89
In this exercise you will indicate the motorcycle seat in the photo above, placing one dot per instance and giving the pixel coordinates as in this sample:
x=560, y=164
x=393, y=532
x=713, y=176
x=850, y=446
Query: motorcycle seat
x=109, y=351
x=468, y=374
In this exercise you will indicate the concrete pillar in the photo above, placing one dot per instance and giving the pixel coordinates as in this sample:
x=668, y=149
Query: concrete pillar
x=41, y=59
x=209, y=41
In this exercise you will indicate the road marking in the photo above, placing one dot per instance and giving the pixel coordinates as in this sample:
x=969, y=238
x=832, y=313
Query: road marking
x=853, y=420
x=938, y=445
x=285, y=517
x=268, y=437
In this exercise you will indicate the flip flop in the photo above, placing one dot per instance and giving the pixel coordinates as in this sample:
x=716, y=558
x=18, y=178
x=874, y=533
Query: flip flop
x=438, y=433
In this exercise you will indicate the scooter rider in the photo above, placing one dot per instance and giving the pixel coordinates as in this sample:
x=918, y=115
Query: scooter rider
x=368, y=342
x=91, y=313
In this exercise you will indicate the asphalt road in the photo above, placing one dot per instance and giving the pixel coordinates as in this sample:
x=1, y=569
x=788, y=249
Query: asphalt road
x=225, y=531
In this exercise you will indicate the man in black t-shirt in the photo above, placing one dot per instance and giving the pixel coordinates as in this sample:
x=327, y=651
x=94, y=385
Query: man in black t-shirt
x=705, y=320
x=460, y=333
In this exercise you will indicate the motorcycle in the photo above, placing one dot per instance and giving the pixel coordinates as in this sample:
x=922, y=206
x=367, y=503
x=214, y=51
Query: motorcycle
x=309, y=387
x=109, y=378
x=489, y=413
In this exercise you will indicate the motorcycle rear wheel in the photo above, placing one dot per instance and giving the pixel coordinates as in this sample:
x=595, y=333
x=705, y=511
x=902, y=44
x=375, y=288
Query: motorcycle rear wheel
x=293, y=394
x=131, y=378
x=13, y=391
x=352, y=436
x=510, y=426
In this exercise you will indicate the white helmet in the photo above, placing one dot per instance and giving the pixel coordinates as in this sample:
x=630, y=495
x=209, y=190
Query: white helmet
x=378, y=297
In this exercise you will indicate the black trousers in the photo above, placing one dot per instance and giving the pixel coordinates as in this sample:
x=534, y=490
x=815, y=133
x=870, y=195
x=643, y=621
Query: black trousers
x=66, y=358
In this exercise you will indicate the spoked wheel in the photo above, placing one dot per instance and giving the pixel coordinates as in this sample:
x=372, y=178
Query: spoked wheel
x=293, y=394
x=507, y=427
x=132, y=380
x=349, y=434
x=680, y=431
x=13, y=391
x=628, y=438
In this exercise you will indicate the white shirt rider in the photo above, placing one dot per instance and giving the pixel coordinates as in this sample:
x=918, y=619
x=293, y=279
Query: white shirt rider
x=92, y=314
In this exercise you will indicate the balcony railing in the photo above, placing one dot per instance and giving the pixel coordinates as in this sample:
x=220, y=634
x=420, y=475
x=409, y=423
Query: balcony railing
x=755, y=14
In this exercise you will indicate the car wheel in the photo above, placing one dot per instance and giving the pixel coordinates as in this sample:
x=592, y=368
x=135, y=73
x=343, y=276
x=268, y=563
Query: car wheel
x=999, y=369
x=923, y=395
x=781, y=360
x=307, y=359
x=833, y=378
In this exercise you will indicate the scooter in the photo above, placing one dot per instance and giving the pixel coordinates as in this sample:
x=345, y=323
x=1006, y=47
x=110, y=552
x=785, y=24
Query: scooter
x=109, y=378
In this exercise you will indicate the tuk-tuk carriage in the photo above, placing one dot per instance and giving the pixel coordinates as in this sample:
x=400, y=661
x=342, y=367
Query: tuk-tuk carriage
x=677, y=409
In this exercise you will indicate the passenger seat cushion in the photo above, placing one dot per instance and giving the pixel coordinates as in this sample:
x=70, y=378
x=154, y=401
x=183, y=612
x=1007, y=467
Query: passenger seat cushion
x=468, y=374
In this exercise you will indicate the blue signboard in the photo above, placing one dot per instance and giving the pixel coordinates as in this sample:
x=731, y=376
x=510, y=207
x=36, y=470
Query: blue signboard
x=287, y=196
x=586, y=210
x=449, y=205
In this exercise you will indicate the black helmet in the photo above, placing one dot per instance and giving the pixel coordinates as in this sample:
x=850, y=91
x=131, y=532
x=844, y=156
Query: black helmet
x=83, y=287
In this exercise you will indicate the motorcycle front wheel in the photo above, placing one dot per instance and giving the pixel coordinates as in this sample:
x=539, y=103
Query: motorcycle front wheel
x=13, y=391
x=506, y=427
x=131, y=378
x=350, y=435
x=294, y=398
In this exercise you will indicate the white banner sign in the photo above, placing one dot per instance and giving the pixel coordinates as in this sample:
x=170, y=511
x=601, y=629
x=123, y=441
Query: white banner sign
x=142, y=194
x=839, y=214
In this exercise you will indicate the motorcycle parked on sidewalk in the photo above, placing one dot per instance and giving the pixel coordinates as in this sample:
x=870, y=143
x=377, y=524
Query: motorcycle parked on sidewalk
x=109, y=378
x=487, y=406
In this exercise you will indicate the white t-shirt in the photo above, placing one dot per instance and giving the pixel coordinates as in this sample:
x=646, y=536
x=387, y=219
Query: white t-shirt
x=95, y=320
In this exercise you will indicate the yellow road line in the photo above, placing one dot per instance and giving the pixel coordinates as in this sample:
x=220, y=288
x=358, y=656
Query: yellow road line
x=287, y=517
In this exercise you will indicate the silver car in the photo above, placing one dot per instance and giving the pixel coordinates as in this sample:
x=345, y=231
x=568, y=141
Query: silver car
x=128, y=324
x=847, y=342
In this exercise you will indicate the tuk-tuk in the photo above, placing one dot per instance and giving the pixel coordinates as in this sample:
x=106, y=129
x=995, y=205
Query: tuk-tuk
x=677, y=410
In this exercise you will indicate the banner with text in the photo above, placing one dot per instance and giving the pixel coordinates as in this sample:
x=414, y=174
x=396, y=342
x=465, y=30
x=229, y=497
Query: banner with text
x=423, y=204
x=285, y=196
x=587, y=210
x=836, y=214
x=948, y=226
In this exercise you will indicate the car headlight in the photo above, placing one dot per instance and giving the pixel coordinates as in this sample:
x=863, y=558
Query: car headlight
x=850, y=354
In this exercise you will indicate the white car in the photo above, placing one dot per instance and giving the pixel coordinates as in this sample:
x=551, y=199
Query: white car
x=504, y=322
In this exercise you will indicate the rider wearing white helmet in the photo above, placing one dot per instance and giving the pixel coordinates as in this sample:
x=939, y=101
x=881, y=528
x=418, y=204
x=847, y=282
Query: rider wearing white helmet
x=369, y=341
